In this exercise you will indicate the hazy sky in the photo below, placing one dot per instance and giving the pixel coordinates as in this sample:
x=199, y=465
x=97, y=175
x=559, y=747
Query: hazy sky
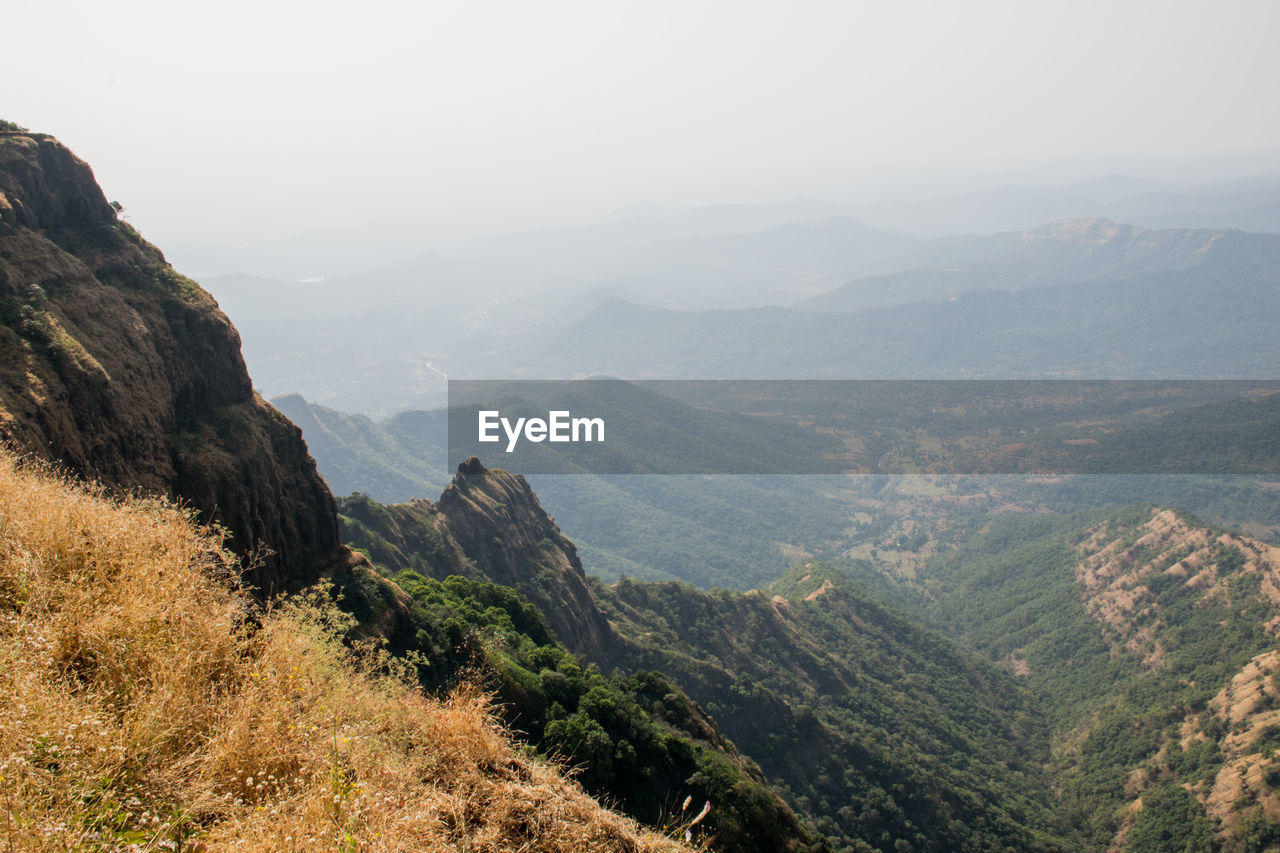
x=243, y=120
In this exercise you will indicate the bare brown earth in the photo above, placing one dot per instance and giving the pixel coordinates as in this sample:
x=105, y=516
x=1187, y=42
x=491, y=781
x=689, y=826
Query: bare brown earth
x=1113, y=574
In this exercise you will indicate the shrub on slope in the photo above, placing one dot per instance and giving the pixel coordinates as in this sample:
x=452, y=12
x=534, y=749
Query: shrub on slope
x=144, y=702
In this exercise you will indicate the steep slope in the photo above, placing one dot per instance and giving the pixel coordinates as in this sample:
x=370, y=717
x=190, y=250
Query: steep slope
x=141, y=709
x=487, y=525
x=126, y=372
x=884, y=731
x=496, y=587
x=1152, y=637
x=811, y=686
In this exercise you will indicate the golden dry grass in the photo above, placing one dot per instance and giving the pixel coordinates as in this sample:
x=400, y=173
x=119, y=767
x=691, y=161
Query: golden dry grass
x=141, y=710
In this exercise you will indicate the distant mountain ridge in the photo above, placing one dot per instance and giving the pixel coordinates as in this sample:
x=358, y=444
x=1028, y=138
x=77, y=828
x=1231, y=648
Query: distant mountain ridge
x=1166, y=320
x=1089, y=297
x=1063, y=252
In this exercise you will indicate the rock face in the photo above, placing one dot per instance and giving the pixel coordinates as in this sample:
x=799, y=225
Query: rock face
x=128, y=373
x=502, y=528
x=488, y=525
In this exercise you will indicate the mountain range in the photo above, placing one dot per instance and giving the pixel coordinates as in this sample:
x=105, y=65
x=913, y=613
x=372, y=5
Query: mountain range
x=1087, y=297
x=968, y=667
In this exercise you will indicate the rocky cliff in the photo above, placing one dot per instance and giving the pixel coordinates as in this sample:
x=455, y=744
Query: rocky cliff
x=488, y=525
x=123, y=371
x=128, y=373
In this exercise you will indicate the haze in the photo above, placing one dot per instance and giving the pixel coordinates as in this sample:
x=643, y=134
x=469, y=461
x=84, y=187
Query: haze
x=244, y=122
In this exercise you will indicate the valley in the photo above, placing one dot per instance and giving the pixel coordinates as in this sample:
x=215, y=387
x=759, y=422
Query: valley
x=1043, y=620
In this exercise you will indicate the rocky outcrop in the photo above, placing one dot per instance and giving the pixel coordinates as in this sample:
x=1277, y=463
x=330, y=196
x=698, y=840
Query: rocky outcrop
x=125, y=372
x=488, y=525
x=503, y=529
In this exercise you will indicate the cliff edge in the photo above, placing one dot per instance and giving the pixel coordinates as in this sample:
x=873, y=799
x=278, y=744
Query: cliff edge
x=123, y=371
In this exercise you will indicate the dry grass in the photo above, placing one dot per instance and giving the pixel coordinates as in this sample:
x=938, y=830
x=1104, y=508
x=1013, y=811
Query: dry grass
x=144, y=706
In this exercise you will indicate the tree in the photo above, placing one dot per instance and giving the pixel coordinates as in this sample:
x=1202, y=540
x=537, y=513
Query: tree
x=1171, y=821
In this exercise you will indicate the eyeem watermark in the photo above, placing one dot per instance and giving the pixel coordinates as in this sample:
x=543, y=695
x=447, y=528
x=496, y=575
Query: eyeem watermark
x=557, y=427
x=1042, y=426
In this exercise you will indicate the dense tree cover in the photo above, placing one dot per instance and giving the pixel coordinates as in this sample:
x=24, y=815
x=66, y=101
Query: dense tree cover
x=636, y=741
x=1010, y=590
x=882, y=733
x=1171, y=821
x=887, y=733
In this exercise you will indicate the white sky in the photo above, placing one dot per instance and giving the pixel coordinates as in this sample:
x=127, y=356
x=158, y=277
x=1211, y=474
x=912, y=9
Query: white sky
x=241, y=120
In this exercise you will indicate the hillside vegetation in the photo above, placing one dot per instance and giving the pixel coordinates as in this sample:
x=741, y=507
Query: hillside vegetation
x=1105, y=680
x=1152, y=638
x=495, y=587
x=146, y=703
x=874, y=729
x=882, y=731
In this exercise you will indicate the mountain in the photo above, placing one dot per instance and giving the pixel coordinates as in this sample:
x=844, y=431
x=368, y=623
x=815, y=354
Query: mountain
x=495, y=586
x=126, y=372
x=1099, y=680
x=1152, y=639
x=808, y=685
x=1136, y=318
x=1072, y=251
x=487, y=526
x=178, y=706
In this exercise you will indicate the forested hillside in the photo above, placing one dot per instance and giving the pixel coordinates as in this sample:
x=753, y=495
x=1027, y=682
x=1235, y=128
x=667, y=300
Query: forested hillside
x=875, y=728
x=1151, y=639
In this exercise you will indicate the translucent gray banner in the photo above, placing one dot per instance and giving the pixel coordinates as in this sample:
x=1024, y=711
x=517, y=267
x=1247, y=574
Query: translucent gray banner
x=611, y=426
